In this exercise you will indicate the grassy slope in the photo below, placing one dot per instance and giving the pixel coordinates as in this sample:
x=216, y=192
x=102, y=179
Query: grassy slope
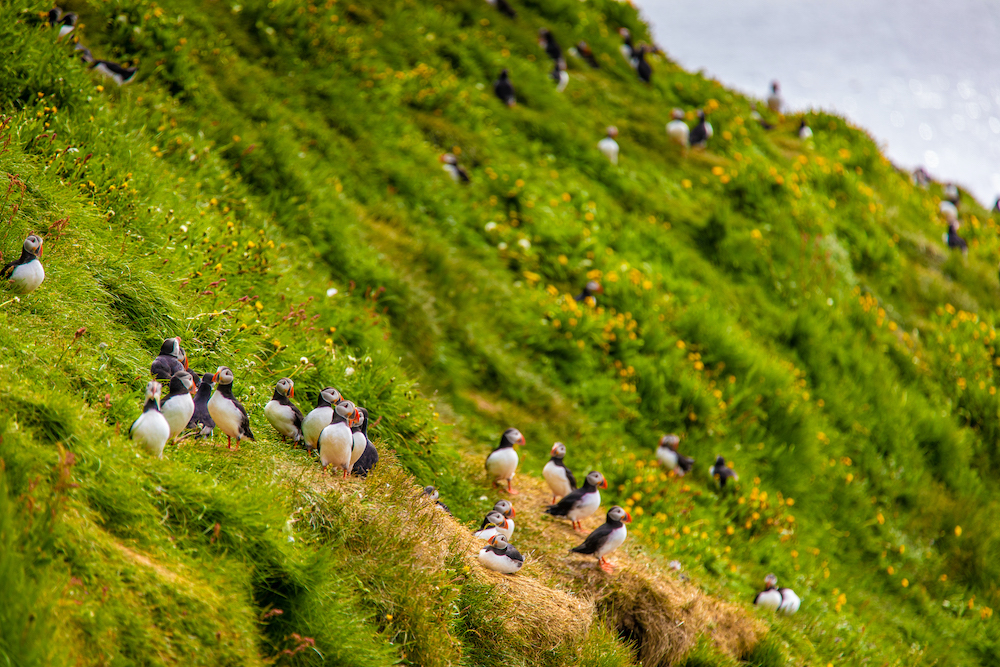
x=778, y=303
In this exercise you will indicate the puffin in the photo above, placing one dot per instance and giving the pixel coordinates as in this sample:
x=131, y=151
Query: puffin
x=951, y=193
x=228, y=413
x=643, y=68
x=505, y=508
x=364, y=456
x=320, y=417
x=582, y=502
x=721, y=472
x=432, y=493
x=805, y=132
x=86, y=56
x=503, y=7
x=504, y=89
x=151, y=429
x=493, y=524
x=66, y=23
x=548, y=41
x=560, y=75
x=923, y=179
x=760, y=119
x=450, y=162
x=789, y=602
x=501, y=464
x=120, y=74
x=608, y=537
x=54, y=15
x=702, y=132
x=608, y=145
x=954, y=241
x=282, y=413
x=178, y=406
x=769, y=598
x=587, y=54
x=949, y=210
x=678, y=130
x=201, y=419
x=774, y=101
x=628, y=51
x=169, y=361
x=590, y=292
x=671, y=459
x=559, y=478
x=500, y=556
x=25, y=273
x=336, y=440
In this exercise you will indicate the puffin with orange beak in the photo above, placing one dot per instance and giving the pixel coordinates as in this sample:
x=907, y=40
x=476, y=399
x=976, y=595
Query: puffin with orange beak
x=559, y=478
x=607, y=537
x=228, y=413
x=151, y=429
x=336, y=440
x=282, y=413
x=507, y=510
x=500, y=556
x=582, y=502
x=494, y=523
x=501, y=464
x=457, y=173
x=178, y=406
x=364, y=456
x=320, y=417
x=26, y=273
x=171, y=360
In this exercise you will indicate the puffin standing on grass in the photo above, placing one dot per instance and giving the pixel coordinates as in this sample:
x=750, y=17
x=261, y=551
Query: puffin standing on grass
x=721, y=472
x=320, y=417
x=501, y=464
x=774, y=101
x=25, y=273
x=607, y=537
x=560, y=75
x=457, y=173
x=364, y=456
x=151, y=429
x=805, y=132
x=66, y=23
x=769, y=598
x=559, y=478
x=494, y=524
x=587, y=54
x=228, y=413
x=500, y=556
x=581, y=503
x=628, y=51
x=505, y=508
x=282, y=413
x=336, y=440
x=954, y=241
x=589, y=293
x=701, y=133
x=178, y=406
x=118, y=73
x=170, y=360
x=608, y=145
x=643, y=68
x=671, y=459
x=201, y=419
x=432, y=493
x=678, y=130
x=789, y=602
x=504, y=89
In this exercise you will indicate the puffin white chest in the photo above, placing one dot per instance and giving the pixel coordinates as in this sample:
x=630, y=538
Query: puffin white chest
x=557, y=480
x=587, y=505
x=358, y=444
x=281, y=418
x=789, y=602
x=335, y=445
x=178, y=411
x=614, y=540
x=667, y=457
x=151, y=430
x=499, y=562
x=770, y=599
x=27, y=277
x=502, y=463
x=314, y=423
x=609, y=147
x=453, y=172
x=225, y=414
x=678, y=131
x=490, y=531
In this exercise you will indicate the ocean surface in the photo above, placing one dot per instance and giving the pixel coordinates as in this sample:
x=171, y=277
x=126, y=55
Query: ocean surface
x=922, y=76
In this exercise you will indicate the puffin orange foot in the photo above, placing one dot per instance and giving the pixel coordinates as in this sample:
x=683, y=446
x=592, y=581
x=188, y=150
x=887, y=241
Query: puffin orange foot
x=606, y=566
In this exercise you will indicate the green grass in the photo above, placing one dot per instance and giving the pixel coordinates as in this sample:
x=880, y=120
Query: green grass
x=789, y=306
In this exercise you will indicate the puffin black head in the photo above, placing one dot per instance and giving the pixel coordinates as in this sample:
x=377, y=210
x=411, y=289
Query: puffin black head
x=349, y=412
x=207, y=380
x=153, y=392
x=328, y=396
x=595, y=478
x=774, y=87
x=616, y=513
x=677, y=114
x=505, y=508
x=223, y=376
x=431, y=493
x=720, y=461
x=625, y=34
x=504, y=75
x=594, y=287
x=33, y=245
x=182, y=381
x=770, y=581
x=511, y=438
x=448, y=158
x=499, y=541
x=172, y=347
x=612, y=131
x=54, y=15
x=285, y=387
x=544, y=35
x=701, y=115
x=558, y=450
x=671, y=441
x=497, y=519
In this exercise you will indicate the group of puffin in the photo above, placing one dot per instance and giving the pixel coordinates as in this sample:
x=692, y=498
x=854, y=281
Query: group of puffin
x=66, y=23
x=336, y=430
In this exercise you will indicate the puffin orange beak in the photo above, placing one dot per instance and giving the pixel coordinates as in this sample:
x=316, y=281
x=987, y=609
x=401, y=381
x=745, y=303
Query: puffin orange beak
x=505, y=524
x=490, y=541
x=441, y=158
x=513, y=512
x=215, y=378
x=628, y=517
x=522, y=441
x=41, y=249
x=291, y=393
x=604, y=483
x=193, y=390
x=552, y=452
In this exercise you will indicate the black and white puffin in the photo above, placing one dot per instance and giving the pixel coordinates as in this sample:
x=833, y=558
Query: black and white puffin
x=505, y=508
x=608, y=537
x=790, y=602
x=494, y=524
x=805, y=132
x=201, y=419
x=434, y=495
x=178, y=406
x=503, y=7
x=118, y=73
x=951, y=193
x=228, y=413
x=721, y=472
x=590, y=292
x=559, y=478
x=627, y=49
x=671, y=459
x=336, y=440
x=923, y=179
x=364, y=456
x=66, y=23
x=320, y=417
x=501, y=556
x=151, y=429
x=608, y=145
x=585, y=52
x=560, y=75
x=955, y=242
x=282, y=413
x=548, y=42
x=170, y=360
x=25, y=273
x=501, y=464
x=774, y=101
x=53, y=16
x=702, y=132
x=643, y=68
x=678, y=130
x=457, y=173
x=86, y=56
x=504, y=89
x=769, y=598
x=582, y=502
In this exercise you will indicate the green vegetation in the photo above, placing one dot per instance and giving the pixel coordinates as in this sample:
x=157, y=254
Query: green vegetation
x=788, y=305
